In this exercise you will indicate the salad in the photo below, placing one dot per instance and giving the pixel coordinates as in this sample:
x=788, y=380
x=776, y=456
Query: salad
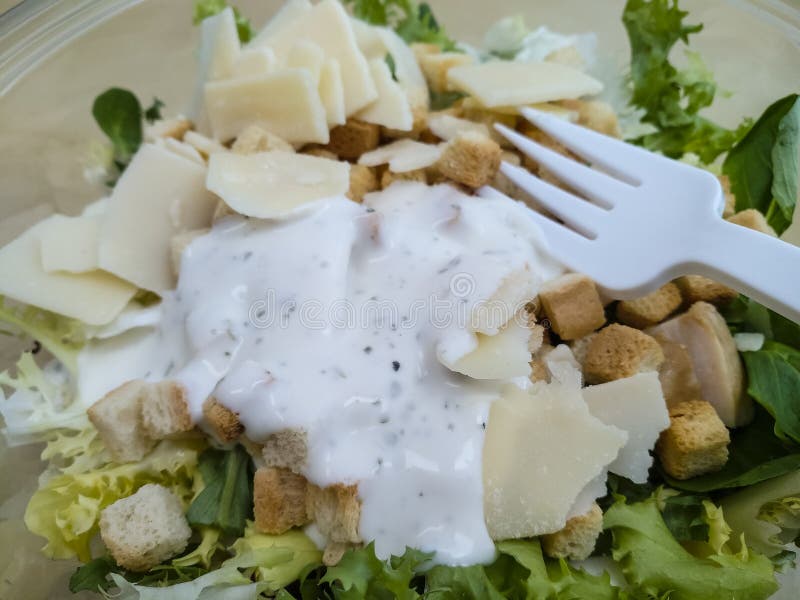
x=303, y=348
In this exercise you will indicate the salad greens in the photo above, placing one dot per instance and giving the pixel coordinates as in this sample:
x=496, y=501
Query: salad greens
x=208, y=8
x=413, y=23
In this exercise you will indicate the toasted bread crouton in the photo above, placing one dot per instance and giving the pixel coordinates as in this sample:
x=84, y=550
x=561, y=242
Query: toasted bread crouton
x=501, y=181
x=257, y=139
x=179, y=242
x=596, y=115
x=577, y=539
x=336, y=510
x=388, y=178
x=715, y=359
x=490, y=119
x=145, y=529
x=118, y=418
x=287, y=449
x=752, y=219
x=651, y=309
x=436, y=66
x=164, y=409
x=320, y=152
x=471, y=159
x=536, y=340
x=619, y=351
x=363, y=180
x=678, y=380
x=696, y=288
x=223, y=422
x=572, y=306
x=354, y=138
x=334, y=552
x=696, y=441
x=221, y=211
x=168, y=128
x=279, y=500
x=730, y=199
x=539, y=371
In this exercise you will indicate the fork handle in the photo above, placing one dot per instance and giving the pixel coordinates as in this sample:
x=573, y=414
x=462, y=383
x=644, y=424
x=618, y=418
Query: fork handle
x=758, y=265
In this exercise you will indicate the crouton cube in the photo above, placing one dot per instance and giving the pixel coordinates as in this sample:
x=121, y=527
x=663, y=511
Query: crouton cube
x=695, y=288
x=651, y=309
x=178, y=244
x=596, y=115
x=752, y=219
x=490, y=119
x=223, y=422
x=730, y=199
x=619, y=351
x=539, y=371
x=145, y=529
x=363, y=180
x=388, y=177
x=320, y=152
x=696, y=441
x=572, y=306
x=164, y=409
x=279, y=500
x=354, y=138
x=436, y=66
x=257, y=139
x=577, y=539
x=336, y=510
x=678, y=379
x=287, y=449
x=117, y=416
x=471, y=159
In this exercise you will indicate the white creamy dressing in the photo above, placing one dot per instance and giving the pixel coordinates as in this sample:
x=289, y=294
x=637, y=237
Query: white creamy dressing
x=324, y=322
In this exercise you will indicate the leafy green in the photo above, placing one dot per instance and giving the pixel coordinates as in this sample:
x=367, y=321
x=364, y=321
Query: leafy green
x=92, y=576
x=672, y=99
x=655, y=565
x=153, y=112
x=204, y=553
x=744, y=314
x=443, y=100
x=226, y=583
x=413, y=23
x=119, y=114
x=762, y=167
x=226, y=501
x=208, y=8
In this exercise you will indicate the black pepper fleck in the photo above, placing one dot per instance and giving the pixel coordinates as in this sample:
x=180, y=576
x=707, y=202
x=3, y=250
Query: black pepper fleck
x=395, y=365
x=367, y=349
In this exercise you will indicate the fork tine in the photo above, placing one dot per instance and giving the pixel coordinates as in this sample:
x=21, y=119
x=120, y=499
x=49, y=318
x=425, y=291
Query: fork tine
x=597, y=186
x=578, y=213
x=615, y=156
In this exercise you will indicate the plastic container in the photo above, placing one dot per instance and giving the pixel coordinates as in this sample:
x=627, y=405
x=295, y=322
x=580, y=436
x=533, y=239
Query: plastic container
x=56, y=56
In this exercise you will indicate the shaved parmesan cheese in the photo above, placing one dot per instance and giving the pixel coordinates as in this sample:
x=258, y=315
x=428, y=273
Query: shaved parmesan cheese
x=182, y=149
x=284, y=102
x=331, y=92
x=593, y=490
x=272, y=184
x=392, y=108
x=306, y=55
x=291, y=11
x=328, y=26
x=470, y=103
x=563, y=367
x=402, y=156
x=219, y=45
x=158, y=195
x=500, y=356
x=447, y=127
x=748, y=342
x=94, y=297
x=504, y=83
x=133, y=316
x=93, y=209
x=203, y=145
x=253, y=62
x=635, y=405
x=513, y=292
x=542, y=448
x=70, y=244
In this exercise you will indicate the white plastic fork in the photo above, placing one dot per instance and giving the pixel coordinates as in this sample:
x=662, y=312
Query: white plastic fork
x=640, y=220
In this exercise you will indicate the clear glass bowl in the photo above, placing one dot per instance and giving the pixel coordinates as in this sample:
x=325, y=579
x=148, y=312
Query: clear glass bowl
x=57, y=55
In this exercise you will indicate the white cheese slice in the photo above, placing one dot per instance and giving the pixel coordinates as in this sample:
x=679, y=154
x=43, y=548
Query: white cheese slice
x=158, y=195
x=70, y=244
x=253, y=62
x=219, y=45
x=513, y=291
x=503, y=83
x=471, y=103
x=328, y=26
x=306, y=55
x=181, y=149
x=542, y=448
x=331, y=92
x=563, y=367
x=204, y=146
x=500, y=356
x=291, y=11
x=94, y=297
x=635, y=405
x=402, y=156
x=284, y=102
x=133, y=316
x=447, y=127
x=273, y=184
x=392, y=109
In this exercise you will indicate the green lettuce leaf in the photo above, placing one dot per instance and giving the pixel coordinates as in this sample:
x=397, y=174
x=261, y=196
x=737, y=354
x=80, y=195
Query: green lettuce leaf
x=774, y=382
x=412, y=22
x=208, y=8
x=204, y=553
x=762, y=167
x=744, y=314
x=119, y=114
x=658, y=566
x=221, y=584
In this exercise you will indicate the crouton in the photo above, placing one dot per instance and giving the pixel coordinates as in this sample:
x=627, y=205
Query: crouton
x=695, y=443
x=596, y=115
x=287, y=449
x=334, y=552
x=388, y=178
x=580, y=347
x=678, y=380
x=179, y=242
x=715, y=359
x=224, y=422
x=145, y=529
x=320, y=152
x=436, y=66
x=164, y=409
x=539, y=371
x=256, y=139
x=279, y=500
x=336, y=510
x=651, y=309
x=221, y=210
x=536, y=340
x=471, y=159
x=503, y=184
x=537, y=135
x=572, y=306
x=730, y=199
x=420, y=115
x=168, y=128
x=354, y=138
x=695, y=288
x=619, y=351
x=490, y=119
x=577, y=539
x=117, y=416
x=363, y=180
x=752, y=219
